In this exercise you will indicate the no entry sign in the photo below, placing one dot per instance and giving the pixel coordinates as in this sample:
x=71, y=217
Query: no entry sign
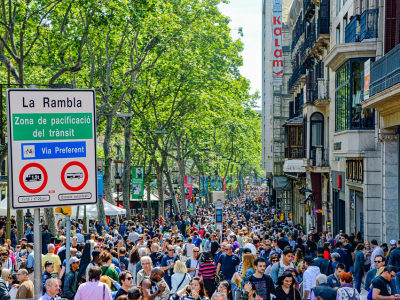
x=52, y=147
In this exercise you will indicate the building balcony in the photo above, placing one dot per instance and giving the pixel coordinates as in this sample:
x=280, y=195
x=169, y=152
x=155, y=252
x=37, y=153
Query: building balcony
x=298, y=32
x=322, y=95
x=297, y=77
x=341, y=53
x=308, y=9
x=362, y=27
x=385, y=88
x=322, y=37
x=317, y=93
x=318, y=161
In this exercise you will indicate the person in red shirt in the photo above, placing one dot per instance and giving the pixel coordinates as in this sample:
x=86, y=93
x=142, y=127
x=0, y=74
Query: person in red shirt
x=58, y=244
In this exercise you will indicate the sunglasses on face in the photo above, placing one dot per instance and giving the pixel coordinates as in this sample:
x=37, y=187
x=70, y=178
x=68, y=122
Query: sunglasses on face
x=377, y=261
x=275, y=260
x=128, y=278
x=196, y=251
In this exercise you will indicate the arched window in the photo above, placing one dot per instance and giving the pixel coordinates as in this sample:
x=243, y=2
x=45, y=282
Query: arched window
x=316, y=133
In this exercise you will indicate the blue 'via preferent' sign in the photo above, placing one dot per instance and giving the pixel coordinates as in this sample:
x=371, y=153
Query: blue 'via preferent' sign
x=53, y=150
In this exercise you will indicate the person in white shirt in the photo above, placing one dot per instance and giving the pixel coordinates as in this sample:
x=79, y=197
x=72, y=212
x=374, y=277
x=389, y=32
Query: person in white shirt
x=377, y=251
x=188, y=247
x=309, y=277
x=181, y=278
x=192, y=264
x=133, y=235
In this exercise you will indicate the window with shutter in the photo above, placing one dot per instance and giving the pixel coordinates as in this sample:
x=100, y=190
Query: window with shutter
x=391, y=30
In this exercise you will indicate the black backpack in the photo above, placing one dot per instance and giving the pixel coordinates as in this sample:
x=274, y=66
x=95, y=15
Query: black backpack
x=351, y=297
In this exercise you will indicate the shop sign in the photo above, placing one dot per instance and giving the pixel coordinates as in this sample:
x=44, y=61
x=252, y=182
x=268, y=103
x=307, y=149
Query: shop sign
x=355, y=170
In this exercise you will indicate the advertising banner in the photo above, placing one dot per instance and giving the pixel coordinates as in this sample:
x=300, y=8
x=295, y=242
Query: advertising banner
x=218, y=184
x=367, y=67
x=100, y=186
x=188, y=186
x=277, y=58
x=137, y=182
x=203, y=185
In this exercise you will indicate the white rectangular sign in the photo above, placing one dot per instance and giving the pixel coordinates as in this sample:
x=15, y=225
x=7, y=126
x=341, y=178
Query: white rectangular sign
x=277, y=57
x=218, y=196
x=52, y=147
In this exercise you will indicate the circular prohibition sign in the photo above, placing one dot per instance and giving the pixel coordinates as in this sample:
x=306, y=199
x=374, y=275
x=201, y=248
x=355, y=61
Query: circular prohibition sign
x=21, y=178
x=85, y=179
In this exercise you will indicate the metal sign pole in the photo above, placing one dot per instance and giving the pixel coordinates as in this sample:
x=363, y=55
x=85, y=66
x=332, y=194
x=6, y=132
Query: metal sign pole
x=37, y=234
x=67, y=243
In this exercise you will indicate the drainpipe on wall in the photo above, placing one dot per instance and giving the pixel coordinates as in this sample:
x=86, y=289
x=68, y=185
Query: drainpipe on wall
x=397, y=131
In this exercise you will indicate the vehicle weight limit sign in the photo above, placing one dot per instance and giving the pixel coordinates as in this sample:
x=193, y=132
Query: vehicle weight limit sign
x=52, y=147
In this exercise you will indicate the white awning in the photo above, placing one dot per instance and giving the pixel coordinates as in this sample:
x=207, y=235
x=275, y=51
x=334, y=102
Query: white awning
x=294, y=166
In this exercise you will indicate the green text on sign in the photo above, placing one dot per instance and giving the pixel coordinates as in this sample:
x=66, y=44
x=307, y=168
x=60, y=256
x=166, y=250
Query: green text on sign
x=71, y=126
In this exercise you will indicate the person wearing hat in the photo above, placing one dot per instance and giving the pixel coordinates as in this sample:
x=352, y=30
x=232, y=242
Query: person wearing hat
x=394, y=260
x=309, y=276
x=71, y=279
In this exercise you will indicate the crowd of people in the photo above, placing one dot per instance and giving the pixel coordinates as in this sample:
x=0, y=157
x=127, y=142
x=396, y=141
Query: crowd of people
x=187, y=257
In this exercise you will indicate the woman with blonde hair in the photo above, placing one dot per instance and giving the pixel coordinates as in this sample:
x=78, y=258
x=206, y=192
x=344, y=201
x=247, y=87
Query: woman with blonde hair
x=180, y=279
x=5, y=274
x=109, y=281
x=298, y=257
x=247, y=269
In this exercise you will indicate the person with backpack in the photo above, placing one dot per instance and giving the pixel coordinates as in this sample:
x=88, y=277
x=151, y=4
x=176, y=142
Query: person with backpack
x=346, y=290
x=181, y=278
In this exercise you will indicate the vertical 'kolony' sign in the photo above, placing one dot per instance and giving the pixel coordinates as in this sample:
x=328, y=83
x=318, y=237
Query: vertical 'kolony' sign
x=277, y=59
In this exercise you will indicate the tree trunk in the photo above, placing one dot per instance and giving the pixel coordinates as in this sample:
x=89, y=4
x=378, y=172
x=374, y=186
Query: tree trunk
x=77, y=213
x=159, y=172
x=169, y=181
x=20, y=224
x=126, y=175
x=101, y=214
x=107, y=177
x=50, y=218
x=148, y=195
x=181, y=165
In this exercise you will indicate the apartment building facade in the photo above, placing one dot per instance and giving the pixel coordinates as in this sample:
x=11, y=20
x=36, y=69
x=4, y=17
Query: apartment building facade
x=341, y=153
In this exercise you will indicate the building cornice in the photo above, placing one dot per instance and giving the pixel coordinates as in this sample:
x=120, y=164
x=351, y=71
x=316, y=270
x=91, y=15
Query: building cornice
x=341, y=53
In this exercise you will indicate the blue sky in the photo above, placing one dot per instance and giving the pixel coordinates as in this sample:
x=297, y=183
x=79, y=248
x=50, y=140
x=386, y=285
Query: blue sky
x=248, y=15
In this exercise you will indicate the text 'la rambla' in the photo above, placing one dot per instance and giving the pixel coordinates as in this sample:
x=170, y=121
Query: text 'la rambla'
x=54, y=103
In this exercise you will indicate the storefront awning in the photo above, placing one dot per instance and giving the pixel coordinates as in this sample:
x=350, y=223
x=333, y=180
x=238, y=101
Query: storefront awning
x=281, y=183
x=294, y=166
